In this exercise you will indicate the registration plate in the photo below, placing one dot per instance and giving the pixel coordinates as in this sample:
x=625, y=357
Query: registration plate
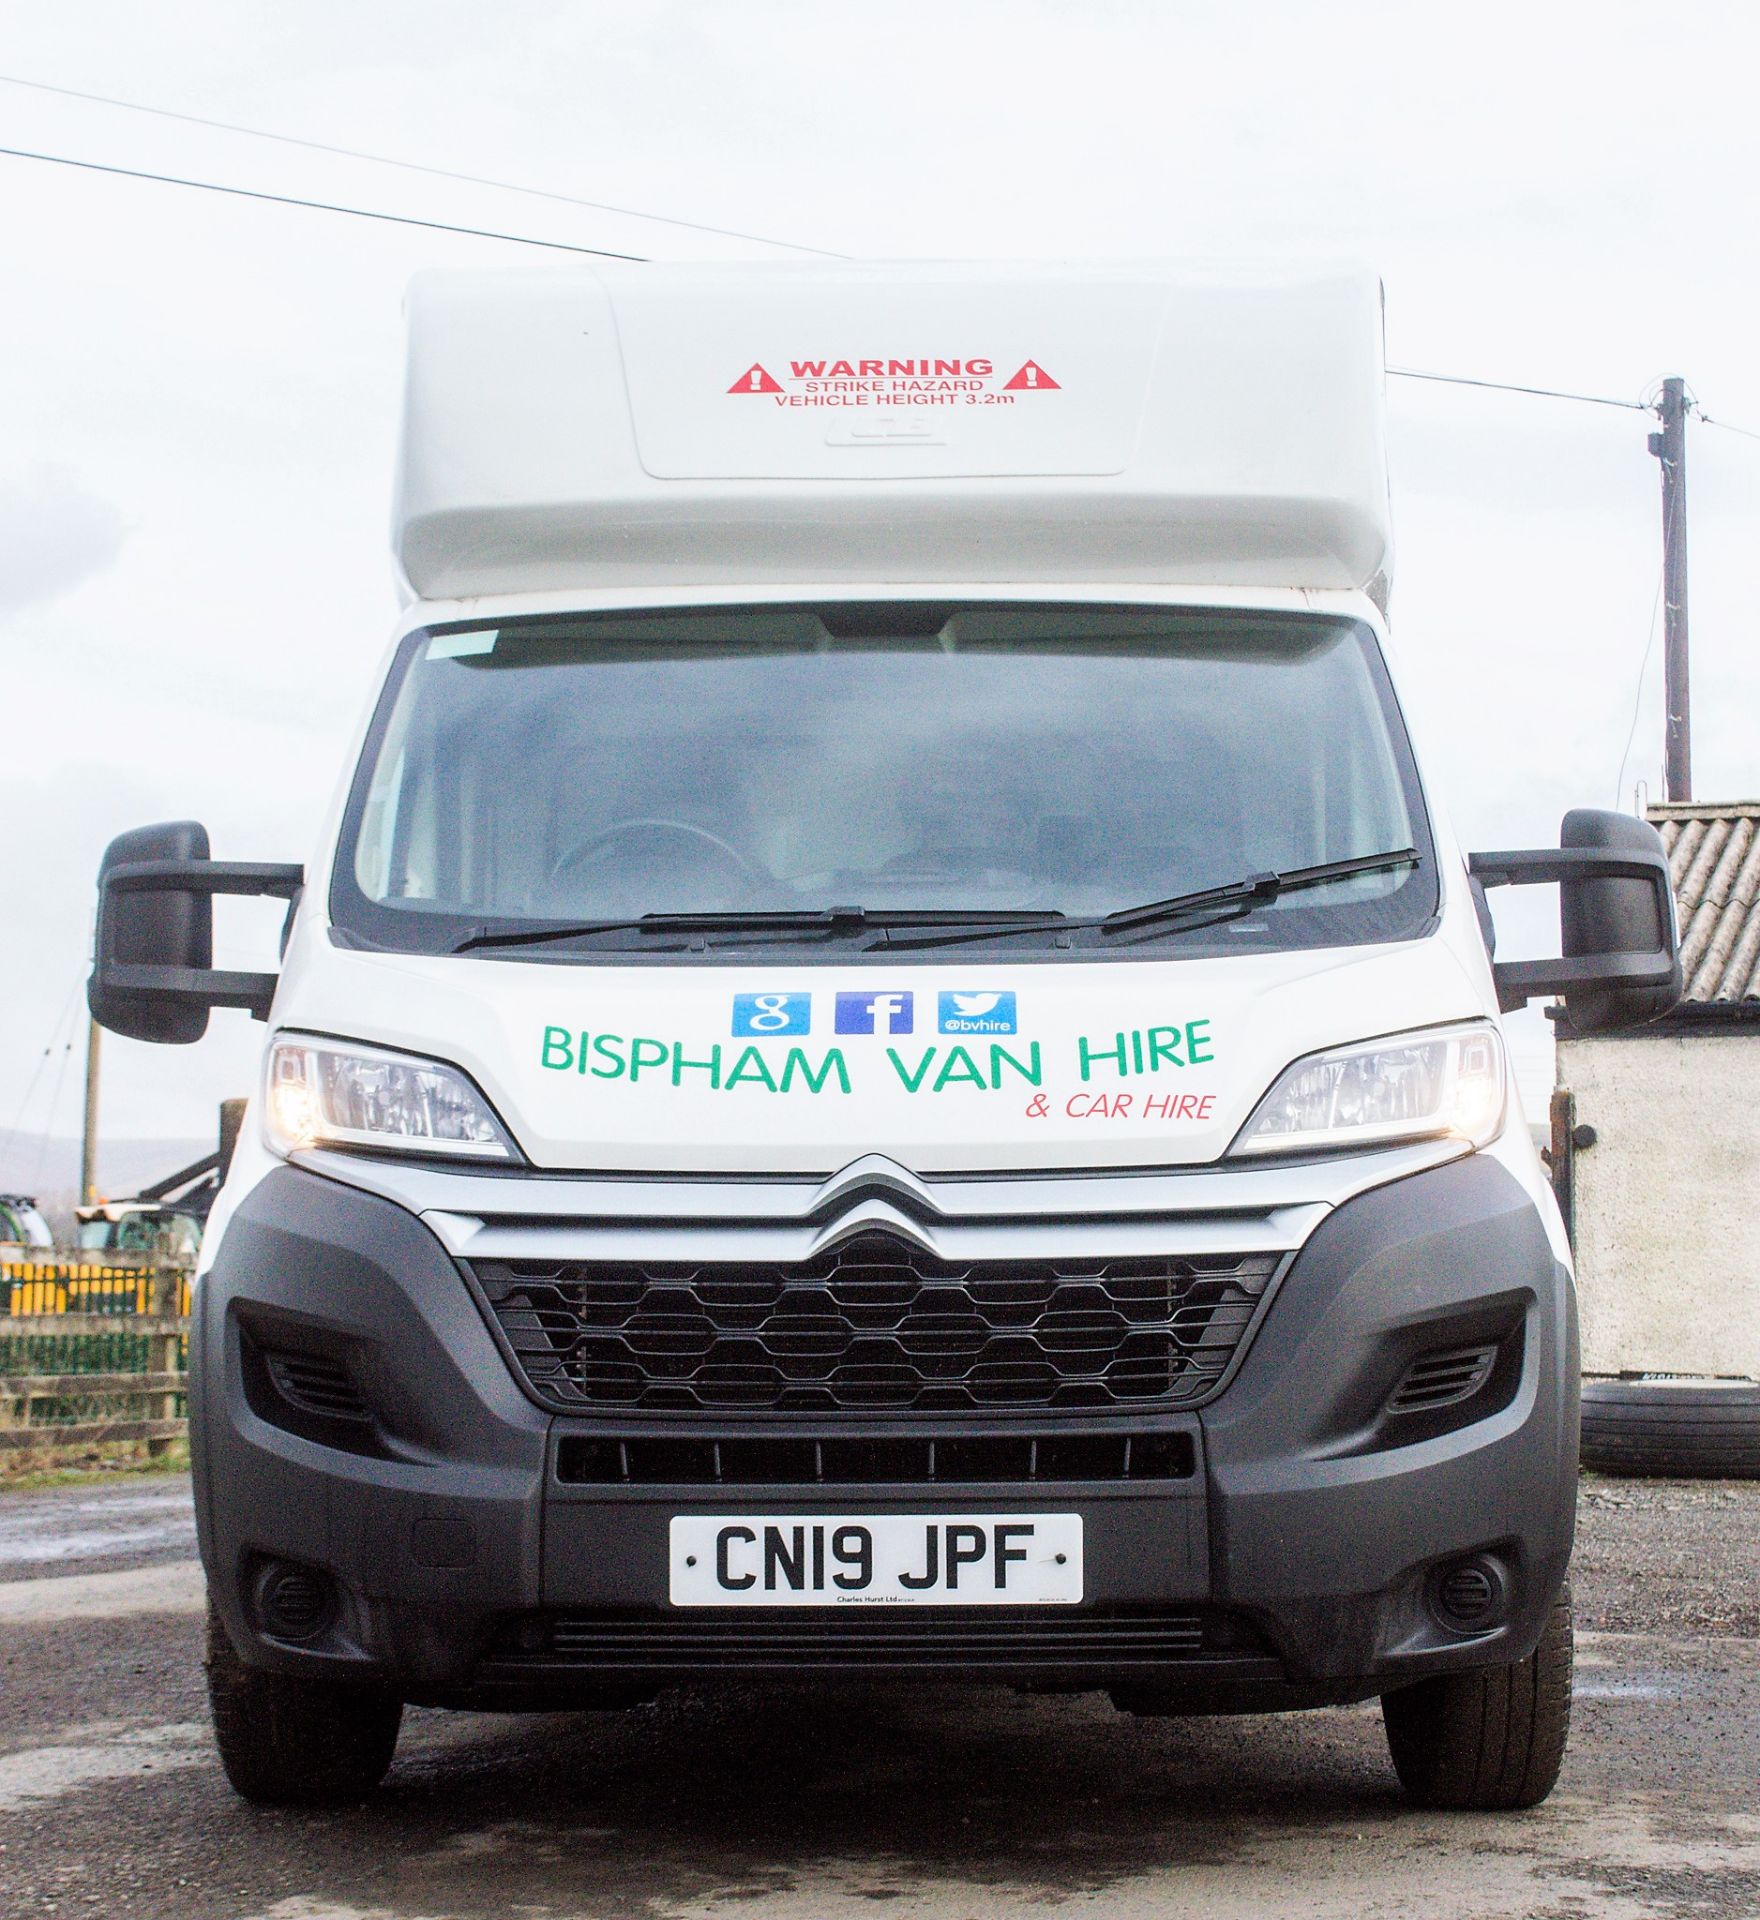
x=866, y=1559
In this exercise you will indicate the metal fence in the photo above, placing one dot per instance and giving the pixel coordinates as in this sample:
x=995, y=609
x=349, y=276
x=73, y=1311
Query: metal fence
x=92, y=1351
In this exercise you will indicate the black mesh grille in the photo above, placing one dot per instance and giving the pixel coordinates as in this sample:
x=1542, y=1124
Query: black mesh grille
x=876, y=1325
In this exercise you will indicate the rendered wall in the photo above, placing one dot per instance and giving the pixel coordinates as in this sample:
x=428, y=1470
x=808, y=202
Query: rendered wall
x=1668, y=1203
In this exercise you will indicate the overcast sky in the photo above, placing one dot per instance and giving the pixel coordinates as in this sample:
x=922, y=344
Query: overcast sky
x=198, y=394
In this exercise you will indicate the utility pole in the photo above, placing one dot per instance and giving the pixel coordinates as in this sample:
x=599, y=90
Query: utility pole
x=88, y=1144
x=231, y=1126
x=1670, y=447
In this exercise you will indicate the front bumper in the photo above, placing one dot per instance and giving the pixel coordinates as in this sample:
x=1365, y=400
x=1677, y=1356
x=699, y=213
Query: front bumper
x=1283, y=1550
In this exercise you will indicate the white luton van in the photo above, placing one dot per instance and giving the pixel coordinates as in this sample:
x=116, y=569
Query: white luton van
x=887, y=1066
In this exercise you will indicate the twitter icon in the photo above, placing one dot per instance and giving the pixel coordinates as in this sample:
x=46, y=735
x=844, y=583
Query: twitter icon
x=977, y=1013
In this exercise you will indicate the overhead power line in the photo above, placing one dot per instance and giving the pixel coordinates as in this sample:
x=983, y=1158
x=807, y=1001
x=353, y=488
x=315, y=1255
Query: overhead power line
x=1619, y=779
x=410, y=166
x=1557, y=393
x=1504, y=386
x=314, y=206
x=600, y=253
x=55, y=1032
x=1705, y=420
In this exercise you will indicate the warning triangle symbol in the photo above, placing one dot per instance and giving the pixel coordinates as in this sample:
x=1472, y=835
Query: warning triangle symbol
x=754, y=380
x=1030, y=379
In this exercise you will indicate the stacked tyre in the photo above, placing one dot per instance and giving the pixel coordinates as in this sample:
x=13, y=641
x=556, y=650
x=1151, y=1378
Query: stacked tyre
x=1672, y=1426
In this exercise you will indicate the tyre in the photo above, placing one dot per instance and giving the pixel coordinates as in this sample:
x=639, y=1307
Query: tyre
x=1490, y=1740
x=296, y=1742
x=1682, y=1427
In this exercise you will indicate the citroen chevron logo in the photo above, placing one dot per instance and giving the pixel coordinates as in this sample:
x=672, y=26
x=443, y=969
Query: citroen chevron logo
x=874, y=1216
x=875, y=1175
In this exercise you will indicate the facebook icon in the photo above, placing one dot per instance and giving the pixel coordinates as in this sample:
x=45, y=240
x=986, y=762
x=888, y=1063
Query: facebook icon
x=873, y=1013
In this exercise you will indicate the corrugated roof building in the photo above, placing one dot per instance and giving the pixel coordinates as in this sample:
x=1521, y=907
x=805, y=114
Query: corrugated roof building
x=1714, y=860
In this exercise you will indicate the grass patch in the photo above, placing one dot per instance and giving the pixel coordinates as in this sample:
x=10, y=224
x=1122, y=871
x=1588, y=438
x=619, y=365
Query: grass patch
x=26, y=1469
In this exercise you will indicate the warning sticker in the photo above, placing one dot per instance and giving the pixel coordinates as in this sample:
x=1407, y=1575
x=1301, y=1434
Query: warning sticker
x=952, y=381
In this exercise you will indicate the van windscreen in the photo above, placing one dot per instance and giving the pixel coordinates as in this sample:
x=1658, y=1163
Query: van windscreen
x=900, y=759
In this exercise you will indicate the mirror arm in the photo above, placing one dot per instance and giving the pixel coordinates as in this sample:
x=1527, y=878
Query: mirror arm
x=246, y=877
x=1519, y=981
x=199, y=986
x=1542, y=866
x=194, y=986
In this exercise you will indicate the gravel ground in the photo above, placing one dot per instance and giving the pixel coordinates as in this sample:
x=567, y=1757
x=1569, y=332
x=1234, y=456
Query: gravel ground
x=1668, y=1556
x=935, y=1804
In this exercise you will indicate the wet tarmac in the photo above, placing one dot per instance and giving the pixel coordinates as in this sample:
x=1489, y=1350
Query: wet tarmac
x=63, y=1530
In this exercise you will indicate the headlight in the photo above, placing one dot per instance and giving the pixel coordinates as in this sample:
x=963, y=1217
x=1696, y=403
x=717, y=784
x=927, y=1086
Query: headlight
x=1444, y=1082
x=322, y=1093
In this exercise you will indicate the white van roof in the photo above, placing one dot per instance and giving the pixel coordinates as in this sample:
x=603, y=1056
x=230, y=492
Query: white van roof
x=711, y=425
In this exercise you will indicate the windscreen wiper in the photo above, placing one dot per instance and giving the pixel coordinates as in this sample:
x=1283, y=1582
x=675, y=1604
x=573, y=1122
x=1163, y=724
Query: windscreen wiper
x=539, y=936
x=905, y=929
x=1257, y=890
x=828, y=920
x=824, y=921
x=1231, y=902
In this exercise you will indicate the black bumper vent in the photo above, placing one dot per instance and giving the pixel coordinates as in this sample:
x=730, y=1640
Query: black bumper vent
x=637, y=1643
x=317, y=1384
x=876, y=1325
x=1444, y=1378
x=775, y=1460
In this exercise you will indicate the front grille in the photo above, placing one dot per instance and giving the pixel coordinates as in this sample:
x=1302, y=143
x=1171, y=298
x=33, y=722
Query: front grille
x=772, y=1460
x=875, y=1325
x=636, y=1641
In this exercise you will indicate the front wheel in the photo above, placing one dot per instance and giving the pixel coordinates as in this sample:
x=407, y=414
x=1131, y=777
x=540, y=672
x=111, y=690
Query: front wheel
x=285, y=1741
x=1491, y=1740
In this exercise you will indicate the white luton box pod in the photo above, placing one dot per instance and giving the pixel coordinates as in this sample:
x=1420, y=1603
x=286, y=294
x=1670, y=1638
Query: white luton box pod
x=950, y=424
x=886, y=1064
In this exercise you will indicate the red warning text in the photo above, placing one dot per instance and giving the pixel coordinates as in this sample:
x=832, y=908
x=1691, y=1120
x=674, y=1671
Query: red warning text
x=912, y=380
x=874, y=369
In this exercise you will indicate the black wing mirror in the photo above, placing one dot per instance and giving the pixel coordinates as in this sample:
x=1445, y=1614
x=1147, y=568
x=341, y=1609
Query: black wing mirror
x=153, y=973
x=1621, y=963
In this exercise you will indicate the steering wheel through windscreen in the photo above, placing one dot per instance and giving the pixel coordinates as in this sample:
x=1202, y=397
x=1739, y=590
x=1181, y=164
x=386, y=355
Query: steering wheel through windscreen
x=655, y=832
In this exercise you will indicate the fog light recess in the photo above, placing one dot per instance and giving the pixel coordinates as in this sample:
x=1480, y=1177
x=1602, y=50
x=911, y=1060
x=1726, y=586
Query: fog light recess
x=1470, y=1595
x=295, y=1602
